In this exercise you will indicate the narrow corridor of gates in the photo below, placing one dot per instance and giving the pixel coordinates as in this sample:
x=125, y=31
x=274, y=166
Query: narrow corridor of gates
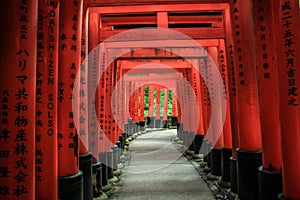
x=81, y=79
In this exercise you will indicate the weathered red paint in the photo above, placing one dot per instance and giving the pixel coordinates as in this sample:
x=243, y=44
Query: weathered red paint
x=267, y=72
x=46, y=104
x=142, y=104
x=231, y=67
x=246, y=80
x=215, y=137
x=222, y=60
x=69, y=62
x=17, y=94
x=286, y=19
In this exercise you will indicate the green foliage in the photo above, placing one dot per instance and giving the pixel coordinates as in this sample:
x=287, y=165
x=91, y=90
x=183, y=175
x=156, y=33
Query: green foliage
x=162, y=97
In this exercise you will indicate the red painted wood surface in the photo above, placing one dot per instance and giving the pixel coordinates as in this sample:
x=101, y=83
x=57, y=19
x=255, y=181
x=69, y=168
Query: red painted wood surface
x=151, y=101
x=286, y=19
x=158, y=89
x=142, y=104
x=69, y=62
x=246, y=80
x=196, y=84
x=216, y=138
x=267, y=72
x=89, y=72
x=222, y=61
x=83, y=93
x=18, y=97
x=231, y=67
x=47, y=97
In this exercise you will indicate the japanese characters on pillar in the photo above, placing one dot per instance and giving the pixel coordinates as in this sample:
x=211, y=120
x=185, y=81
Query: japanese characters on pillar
x=108, y=110
x=231, y=81
x=287, y=37
x=102, y=92
x=83, y=93
x=135, y=104
x=185, y=97
x=195, y=81
x=46, y=100
x=268, y=84
x=204, y=94
x=224, y=73
x=90, y=70
x=214, y=97
x=246, y=80
x=69, y=62
x=17, y=95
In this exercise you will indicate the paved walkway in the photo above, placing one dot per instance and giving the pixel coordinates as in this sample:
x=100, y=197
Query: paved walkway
x=157, y=170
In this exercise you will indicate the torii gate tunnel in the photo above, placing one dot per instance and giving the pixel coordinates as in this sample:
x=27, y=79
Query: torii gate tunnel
x=78, y=78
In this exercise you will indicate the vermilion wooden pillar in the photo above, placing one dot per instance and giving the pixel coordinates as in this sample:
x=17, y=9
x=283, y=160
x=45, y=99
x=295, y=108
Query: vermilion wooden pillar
x=204, y=95
x=213, y=62
x=69, y=62
x=17, y=95
x=46, y=104
x=107, y=101
x=90, y=105
x=142, y=109
x=249, y=154
x=83, y=93
x=231, y=67
x=151, y=107
x=270, y=181
x=196, y=85
x=157, y=120
x=286, y=19
x=174, y=104
x=227, y=135
x=217, y=139
x=94, y=100
x=135, y=104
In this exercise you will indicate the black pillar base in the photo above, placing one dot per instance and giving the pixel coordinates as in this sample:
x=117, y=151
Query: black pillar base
x=225, y=164
x=85, y=165
x=103, y=160
x=270, y=184
x=174, y=121
x=119, y=145
x=157, y=123
x=191, y=136
x=110, y=164
x=215, y=159
x=281, y=197
x=198, y=143
x=185, y=138
x=180, y=131
x=97, y=171
x=247, y=165
x=71, y=187
x=164, y=123
x=233, y=175
x=116, y=156
x=142, y=125
x=150, y=122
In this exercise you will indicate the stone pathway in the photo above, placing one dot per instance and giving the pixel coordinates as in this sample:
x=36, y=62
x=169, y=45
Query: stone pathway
x=157, y=170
